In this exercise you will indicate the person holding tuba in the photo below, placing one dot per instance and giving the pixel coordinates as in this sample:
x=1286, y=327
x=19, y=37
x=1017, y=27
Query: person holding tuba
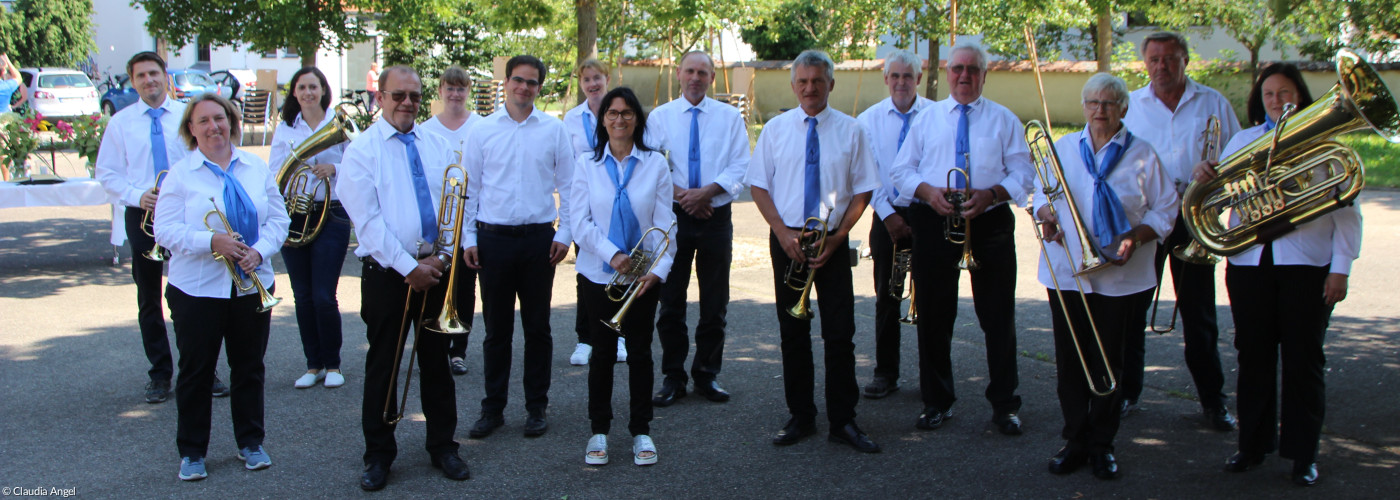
x=970, y=148
x=1126, y=201
x=1278, y=310
x=222, y=200
x=313, y=266
x=811, y=174
x=1170, y=114
x=618, y=191
x=391, y=184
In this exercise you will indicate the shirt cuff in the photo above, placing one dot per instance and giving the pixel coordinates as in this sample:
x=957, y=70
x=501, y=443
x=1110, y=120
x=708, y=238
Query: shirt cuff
x=1341, y=266
x=405, y=264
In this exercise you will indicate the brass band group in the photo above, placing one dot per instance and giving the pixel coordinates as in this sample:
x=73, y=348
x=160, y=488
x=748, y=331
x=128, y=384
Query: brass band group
x=645, y=198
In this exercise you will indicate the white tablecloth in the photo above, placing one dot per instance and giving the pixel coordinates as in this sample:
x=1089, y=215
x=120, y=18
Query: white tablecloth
x=76, y=191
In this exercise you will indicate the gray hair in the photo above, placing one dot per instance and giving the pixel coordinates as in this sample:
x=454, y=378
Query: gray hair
x=1164, y=37
x=814, y=57
x=1105, y=81
x=975, y=47
x=708, y=60
x=906, y=57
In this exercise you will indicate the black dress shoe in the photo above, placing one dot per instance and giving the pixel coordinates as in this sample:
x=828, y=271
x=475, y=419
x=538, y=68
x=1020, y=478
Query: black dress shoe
x=220, y=389
x=932, y=418
x=376, y=476
x=1304, y=474
x=880, y=387
x=485, y=425
x=535, y=425
x=1220, y=419
x=1105, y=466
x=1067, y=461
x=1241, y=461
x=1008, y=423
x=851, y=435
x=712, y=391
x=1126, y=408
x=452, y=466
x=157, y=391
x=793, y=432
x=669, y=393
x=459, y=366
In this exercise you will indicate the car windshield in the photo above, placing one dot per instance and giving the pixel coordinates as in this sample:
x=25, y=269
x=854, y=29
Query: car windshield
x=64, y=81
x=192, y=79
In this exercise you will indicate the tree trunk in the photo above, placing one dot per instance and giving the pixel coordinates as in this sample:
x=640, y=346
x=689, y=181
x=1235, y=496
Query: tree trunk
x=1254, y=63
x=931, y=85
x=587, y=12
x=1104, y=43
x=308, y=56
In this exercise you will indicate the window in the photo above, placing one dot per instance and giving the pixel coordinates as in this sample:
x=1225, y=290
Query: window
x=290, y=53
x=64, y=81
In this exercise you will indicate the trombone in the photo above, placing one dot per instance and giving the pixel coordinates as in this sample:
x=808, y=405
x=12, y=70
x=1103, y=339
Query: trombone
x=156, y=253
x=956, y=228
x=903, y=264
x=799, y=274
x=623, y=285
x=252, y=281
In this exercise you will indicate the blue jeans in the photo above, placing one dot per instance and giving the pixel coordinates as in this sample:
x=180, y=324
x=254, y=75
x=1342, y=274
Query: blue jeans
x=314, y=270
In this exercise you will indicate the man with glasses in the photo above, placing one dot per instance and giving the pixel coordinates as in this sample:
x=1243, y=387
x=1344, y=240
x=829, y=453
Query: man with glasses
x=970, y=134
x=1171, y=114
x=518, y=159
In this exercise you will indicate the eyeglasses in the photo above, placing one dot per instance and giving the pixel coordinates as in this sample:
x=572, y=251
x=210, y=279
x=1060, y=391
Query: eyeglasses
x=528, y=83
x=1096, y=105
x=453, y=88
x=613, y=115
x=399, y=95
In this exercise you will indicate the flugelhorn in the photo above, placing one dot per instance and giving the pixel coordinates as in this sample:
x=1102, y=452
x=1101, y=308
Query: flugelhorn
x=156, y=253
x=299, y=186
x=800, y=275
x=899, y=274
x=956, y=228
x=623, y=286
x=252, y=281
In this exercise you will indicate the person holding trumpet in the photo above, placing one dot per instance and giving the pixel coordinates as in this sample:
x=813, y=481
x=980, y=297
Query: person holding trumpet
x=223, y=200
x=1123, y=204
x=391, y=182
x=622, y=187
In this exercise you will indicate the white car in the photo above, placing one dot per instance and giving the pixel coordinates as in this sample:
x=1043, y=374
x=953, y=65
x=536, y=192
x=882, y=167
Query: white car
x=59, y=92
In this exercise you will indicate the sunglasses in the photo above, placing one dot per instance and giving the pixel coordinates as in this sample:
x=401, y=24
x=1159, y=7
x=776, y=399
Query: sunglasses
x=400, y=95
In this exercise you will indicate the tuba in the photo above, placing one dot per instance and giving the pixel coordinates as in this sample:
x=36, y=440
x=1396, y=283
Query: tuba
x=799, y=275
x=252, y=281
x=1298, y=173
x=299, y=186
x=622, y=287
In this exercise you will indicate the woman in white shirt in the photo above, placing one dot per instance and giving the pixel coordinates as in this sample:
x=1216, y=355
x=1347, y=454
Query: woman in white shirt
x=207, y=308
x=619, y=191
x=1281, y=296
x=314, y=268
x=1127, y=204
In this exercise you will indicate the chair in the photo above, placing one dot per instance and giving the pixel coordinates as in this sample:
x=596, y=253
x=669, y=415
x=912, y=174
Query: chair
x=257, y=110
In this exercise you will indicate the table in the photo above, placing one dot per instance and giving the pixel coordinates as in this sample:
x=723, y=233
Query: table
x=76, y=191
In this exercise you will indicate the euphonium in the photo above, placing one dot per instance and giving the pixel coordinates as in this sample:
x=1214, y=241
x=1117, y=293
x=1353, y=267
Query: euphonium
x=294, y=176
x=956, y=228
x=899, y=274
x=1297, y=173
x=800, y=275
x=156, y=253
x=253, y=281
x=622, y=287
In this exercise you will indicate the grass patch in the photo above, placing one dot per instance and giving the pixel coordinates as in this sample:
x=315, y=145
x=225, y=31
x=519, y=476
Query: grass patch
x=1381, y=158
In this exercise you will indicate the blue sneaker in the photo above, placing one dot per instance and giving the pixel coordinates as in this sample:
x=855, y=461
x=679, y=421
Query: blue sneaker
x=255, y=458
x=192, y=469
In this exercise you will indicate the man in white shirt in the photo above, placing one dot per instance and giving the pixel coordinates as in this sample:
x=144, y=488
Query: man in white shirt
x=709, y=146
x=518, y=159
x=390, y=184
x=971, y=133
x=815, y=161
x=1171, y=113
x=888, y=123
x=142, y=142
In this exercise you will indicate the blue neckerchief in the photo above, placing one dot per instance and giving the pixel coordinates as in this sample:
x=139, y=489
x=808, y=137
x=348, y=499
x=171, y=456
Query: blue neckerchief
x=1269, y=123
x=589, y=127
x=1110, y=220
x=623, y=229
x=238, y=207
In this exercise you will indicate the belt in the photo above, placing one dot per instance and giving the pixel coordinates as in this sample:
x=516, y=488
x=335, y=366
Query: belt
x=317, y=206
x=519, y=230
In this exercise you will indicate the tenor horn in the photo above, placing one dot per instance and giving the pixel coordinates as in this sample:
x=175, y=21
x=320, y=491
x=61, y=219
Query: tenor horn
x=299, y=186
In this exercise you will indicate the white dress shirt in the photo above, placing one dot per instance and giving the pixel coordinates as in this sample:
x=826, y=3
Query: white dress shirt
x=724, y=144
x=379, y=196
x=1177, y=135
x=997, y=146
x=847, y=164
x=516, y=169
x=883, y=123
x=180, y=215
x=1148, y=197
x=125, y=166
x=1332, y=240
x=287, y=138
x=592, y=199
x=579, y=131
x=456, y=139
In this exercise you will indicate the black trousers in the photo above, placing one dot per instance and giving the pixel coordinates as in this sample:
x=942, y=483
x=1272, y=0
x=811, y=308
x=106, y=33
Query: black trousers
x=1091, y=421
x=837, y=313
x=202, y=326
x=384, y=292
x=466, y=306
x=993, y=289
x=149, y=317
x=1195, y=298
x=580, y=316
x=637, y=328
x=1279, y=310
x=887, y=308
x=709, y=243
x=516, y=266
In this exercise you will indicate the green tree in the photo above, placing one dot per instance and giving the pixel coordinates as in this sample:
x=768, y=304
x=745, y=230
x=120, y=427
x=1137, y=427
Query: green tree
x=431, y=35
x=785, y=33
x=266, y=25
x=1252, y=23
x=1371, y=26
x=48, y=32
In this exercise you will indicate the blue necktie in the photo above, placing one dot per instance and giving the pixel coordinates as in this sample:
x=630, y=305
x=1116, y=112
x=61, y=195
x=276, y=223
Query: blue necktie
x=420, y=187
x=590, y=126
x=694, y=148
x=812, y=182
x=903, y=133
x=238, y=207
x=962, y=147
x=1109, y=218
x=623, y=229
x=159, y=159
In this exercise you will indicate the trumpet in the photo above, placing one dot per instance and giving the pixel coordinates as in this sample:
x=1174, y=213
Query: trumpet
x=956, y=228
x=623, y=285
x=252, y=281
x=294, y=176
x=156, y=253
x=800, y=275
x=903, y=263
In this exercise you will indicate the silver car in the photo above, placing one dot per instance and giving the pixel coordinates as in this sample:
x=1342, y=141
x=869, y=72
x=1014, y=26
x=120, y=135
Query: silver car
x=59, y=92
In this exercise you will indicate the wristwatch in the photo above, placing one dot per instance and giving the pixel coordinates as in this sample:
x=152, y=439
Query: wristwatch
x=444, y=259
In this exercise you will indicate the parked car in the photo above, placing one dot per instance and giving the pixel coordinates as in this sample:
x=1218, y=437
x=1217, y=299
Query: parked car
x=119, y=94
x=234, y=82
x=188, y=83
x=59, y=92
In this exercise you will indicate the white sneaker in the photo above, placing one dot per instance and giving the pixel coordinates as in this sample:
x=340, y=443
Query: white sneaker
x=621, y=351
x=334, y=379
x=309, y=379
x=581, y=354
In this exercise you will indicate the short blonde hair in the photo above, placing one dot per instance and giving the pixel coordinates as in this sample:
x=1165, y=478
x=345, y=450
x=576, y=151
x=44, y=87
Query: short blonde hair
x=234, y=127
x=594, y=64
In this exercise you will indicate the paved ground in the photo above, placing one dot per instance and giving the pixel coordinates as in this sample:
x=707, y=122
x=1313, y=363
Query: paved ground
x=72, y=415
